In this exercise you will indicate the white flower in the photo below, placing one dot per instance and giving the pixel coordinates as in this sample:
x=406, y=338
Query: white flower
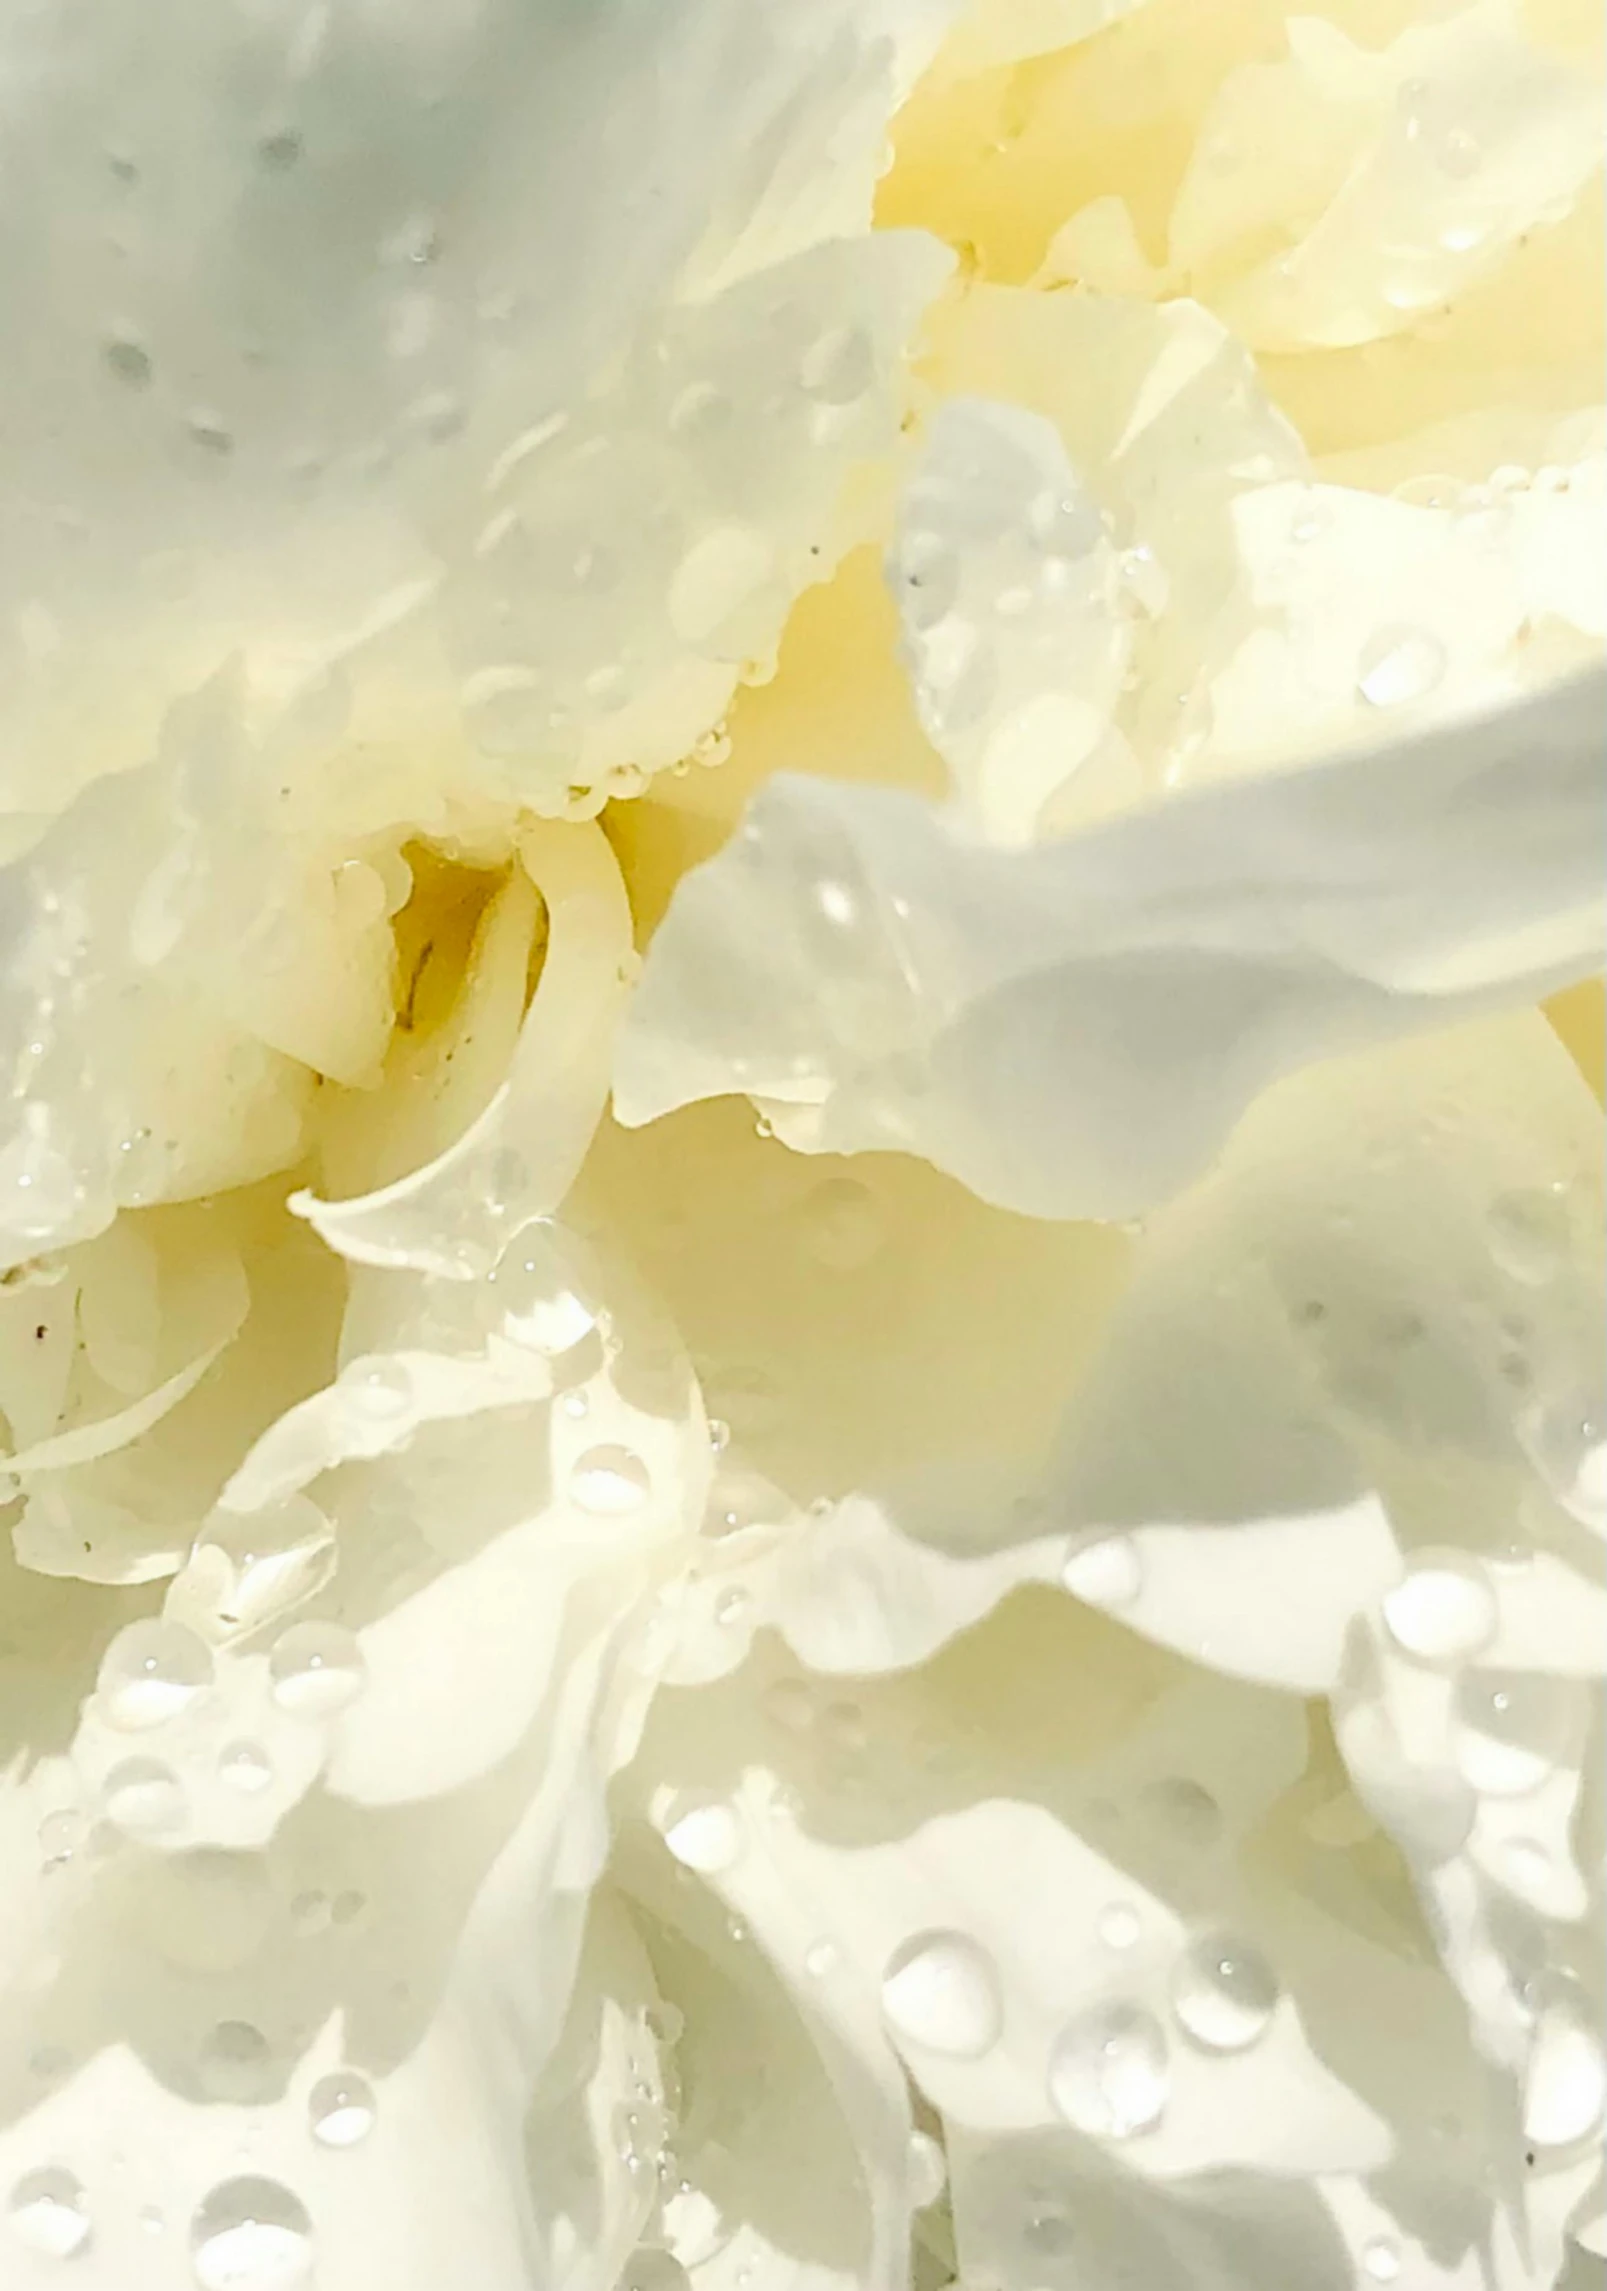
x=800, y=1339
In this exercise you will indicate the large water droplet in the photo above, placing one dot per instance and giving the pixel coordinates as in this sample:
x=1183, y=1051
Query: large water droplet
x=251, y=2235
x=1108, y=2073
x=704, y=1834
x=1399, y=665
x=152, y=1671
x=48, y=2213
x=145, y=1798
x=1512, y=1728
x=1224, y=1993
x=940, y=1992
x=1444, y=1611
x=609, y=1482
x=1565, y=2087
x=315, y=1669
x=539, y=1309
x=1107, y=1572
x=341, y=2109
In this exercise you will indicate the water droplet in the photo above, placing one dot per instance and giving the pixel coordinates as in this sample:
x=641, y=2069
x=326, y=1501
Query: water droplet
x=820, y=1958
x=1444, y=1611
x=704, y=1834
x=940, y=1993
x=1399, y=665
x=1457, y=153
x=928, y=2170
x=1107, y=1571
x=315, y=1669
x=839, y=365
x=212, y=435
x=251, y=2235
x=245, y=1767
x=1529, y=1233
x=731, y=1606
x=48, y=2213
x=539, y=1308
x=1565, y=2085
x=235, y=2063
x=151, y=1672
x=653, y=2269
x=381, y=1390
x=1224, y=1993
x=843, y=1224
x=609, y=1482
x=1108, y=2072
x=1512, y=1729
x=1119, y=1926
x=280, y=151
x=1381, y=2259
x=128, y=360
x=1567, y=1443
x=341, y=2109
x=144, y=1798
x=61, y=1834
x=719, y=1435
x=1311, y=518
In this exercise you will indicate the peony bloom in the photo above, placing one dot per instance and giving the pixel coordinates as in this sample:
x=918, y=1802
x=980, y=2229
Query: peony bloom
x=801, y=1201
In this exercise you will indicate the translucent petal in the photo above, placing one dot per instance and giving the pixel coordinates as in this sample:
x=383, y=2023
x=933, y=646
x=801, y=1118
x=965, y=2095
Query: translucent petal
x=1177, y=960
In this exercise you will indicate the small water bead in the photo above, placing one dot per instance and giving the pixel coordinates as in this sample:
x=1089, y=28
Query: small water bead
x=926, y=574
x=381, y=1390
x=144, y=1798
x=1224, y=1994
x=821, y=1958
x=316, y=1669
x=251, y=2234
x=843, y=1224
x=940, y=1992
x=839, y=366
x=128, y=361
x=1107, y=1572
x=48, y=2213
x=1512, y=1729
x=235, y=2063
x=1381, y=2259
x=1529, y=1233
x=1444, y=1611
x=61, y=1834
x=1397, y=666
x=704, y=1834
x=1119, y=1926
x=245, y=1767
x=928, y=2170
x=1108, y=2073
x=341, y=2109
x=151, y=1673
x=1565, y=2085
x=610, y=1482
